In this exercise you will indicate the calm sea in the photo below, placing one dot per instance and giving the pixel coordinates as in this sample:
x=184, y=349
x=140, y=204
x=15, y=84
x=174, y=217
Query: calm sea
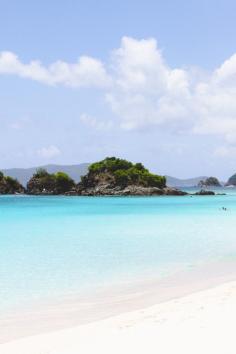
x=53, y=246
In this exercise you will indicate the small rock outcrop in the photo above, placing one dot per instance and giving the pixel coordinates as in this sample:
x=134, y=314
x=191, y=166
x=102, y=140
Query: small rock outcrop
x=44, y=183
x=9, y=185
x=119, y=177
x=205, y=192
x=209, y=182
x=231, y=181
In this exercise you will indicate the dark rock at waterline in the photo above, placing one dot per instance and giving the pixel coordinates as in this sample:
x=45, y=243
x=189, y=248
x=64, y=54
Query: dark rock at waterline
x=132, y=190
x=173, y=191
x=71, y=192
x=204, y=192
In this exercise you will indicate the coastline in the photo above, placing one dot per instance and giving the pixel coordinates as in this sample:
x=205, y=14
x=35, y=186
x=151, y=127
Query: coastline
x=202, y=322
x=77, y=312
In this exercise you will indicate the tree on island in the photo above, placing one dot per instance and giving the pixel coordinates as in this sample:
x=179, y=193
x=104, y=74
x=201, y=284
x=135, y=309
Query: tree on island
x=43, y=182
x=9, y=185
x=122, y=173
x=64, y=183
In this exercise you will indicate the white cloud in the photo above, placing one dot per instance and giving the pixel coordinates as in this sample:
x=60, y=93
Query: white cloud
x=141, y=90
x=86, y=72
x=147, y=92
x=49, y=152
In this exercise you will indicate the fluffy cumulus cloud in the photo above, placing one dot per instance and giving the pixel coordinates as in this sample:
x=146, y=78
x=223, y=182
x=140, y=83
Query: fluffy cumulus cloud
x=145, y=90
x=148, y=92
x=86, y=72
x=48, y=152
x=142, y=90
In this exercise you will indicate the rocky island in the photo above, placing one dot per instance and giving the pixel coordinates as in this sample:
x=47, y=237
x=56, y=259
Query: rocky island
x=113, y=176
x=9, y=185
x=109, y=177
x=204, y=192
x=231, y=181
x=46, y=183
x=209, y=182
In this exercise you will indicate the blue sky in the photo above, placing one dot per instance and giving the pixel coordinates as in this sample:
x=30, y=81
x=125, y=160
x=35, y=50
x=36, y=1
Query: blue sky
x=150, y=81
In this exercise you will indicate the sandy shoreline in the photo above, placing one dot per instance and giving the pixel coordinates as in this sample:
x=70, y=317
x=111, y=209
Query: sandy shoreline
x=150, y=298
x=203, y=322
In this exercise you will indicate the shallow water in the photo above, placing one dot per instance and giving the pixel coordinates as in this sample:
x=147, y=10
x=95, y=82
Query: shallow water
x=52, y=246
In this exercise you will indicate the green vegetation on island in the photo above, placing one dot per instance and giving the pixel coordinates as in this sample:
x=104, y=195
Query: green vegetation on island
x=43, y=182
x=119, y=177
x=9, y=185
x=111, y=176
x=124, y=173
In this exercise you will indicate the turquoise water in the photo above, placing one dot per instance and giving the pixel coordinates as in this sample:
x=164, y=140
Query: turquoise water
x=52, y=246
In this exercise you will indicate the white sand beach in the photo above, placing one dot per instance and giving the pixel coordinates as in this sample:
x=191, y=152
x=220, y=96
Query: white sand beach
x=202, y=322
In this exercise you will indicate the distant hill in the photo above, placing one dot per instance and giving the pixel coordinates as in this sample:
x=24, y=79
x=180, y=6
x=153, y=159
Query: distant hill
x=190, y=182
x=24, y=174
